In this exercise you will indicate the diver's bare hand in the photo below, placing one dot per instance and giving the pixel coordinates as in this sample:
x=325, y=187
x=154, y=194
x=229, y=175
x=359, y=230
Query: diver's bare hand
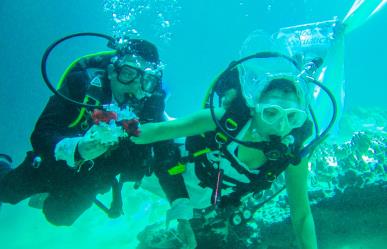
x=148, y=134
x=186, y=234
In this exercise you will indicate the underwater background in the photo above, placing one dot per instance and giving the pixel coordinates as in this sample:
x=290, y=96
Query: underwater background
x=196, y=40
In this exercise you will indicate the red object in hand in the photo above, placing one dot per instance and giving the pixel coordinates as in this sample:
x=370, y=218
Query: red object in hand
x=132, y=127
x=103, y=116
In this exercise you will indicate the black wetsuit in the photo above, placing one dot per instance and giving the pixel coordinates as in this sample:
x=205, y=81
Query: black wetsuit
x=71, y=192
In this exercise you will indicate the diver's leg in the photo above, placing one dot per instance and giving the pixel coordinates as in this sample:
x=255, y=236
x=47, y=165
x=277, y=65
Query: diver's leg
x=5, y=165
x=22, y=182
x=360, y=12
x=332, y=74
x=65, y=207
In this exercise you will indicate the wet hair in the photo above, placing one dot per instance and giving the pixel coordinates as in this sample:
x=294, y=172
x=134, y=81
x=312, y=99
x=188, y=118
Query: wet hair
x=142, y=48
x=284, y=85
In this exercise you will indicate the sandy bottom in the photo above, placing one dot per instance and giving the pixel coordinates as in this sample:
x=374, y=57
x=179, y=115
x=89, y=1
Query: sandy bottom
x=25, y=227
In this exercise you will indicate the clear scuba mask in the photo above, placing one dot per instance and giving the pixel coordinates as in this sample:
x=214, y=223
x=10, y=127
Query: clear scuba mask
x=273, y=114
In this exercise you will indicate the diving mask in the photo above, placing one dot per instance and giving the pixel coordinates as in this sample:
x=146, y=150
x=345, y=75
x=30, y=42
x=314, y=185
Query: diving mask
x=272, y=114
x=128, y=72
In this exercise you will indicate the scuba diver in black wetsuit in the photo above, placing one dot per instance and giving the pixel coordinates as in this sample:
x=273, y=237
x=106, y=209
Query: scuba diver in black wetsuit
x=78, y=152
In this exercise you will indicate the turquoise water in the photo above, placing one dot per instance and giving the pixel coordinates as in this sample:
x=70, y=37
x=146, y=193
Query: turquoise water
x=198, y=41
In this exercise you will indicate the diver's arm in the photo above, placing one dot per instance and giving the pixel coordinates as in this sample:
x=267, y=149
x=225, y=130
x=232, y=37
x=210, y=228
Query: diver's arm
x=302, y=219
x=49, y=129
x=194, y=124
x=52, y=125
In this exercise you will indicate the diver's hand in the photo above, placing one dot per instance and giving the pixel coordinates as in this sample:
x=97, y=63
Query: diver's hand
x=186, y=234
x=148, y=134
x=93, y=143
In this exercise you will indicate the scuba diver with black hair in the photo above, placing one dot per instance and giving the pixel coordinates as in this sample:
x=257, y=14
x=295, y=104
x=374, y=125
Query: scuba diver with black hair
x=78, y=152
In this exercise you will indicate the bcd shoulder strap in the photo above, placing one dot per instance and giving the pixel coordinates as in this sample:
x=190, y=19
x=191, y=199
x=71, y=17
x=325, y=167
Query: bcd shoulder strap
x=94, y=92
